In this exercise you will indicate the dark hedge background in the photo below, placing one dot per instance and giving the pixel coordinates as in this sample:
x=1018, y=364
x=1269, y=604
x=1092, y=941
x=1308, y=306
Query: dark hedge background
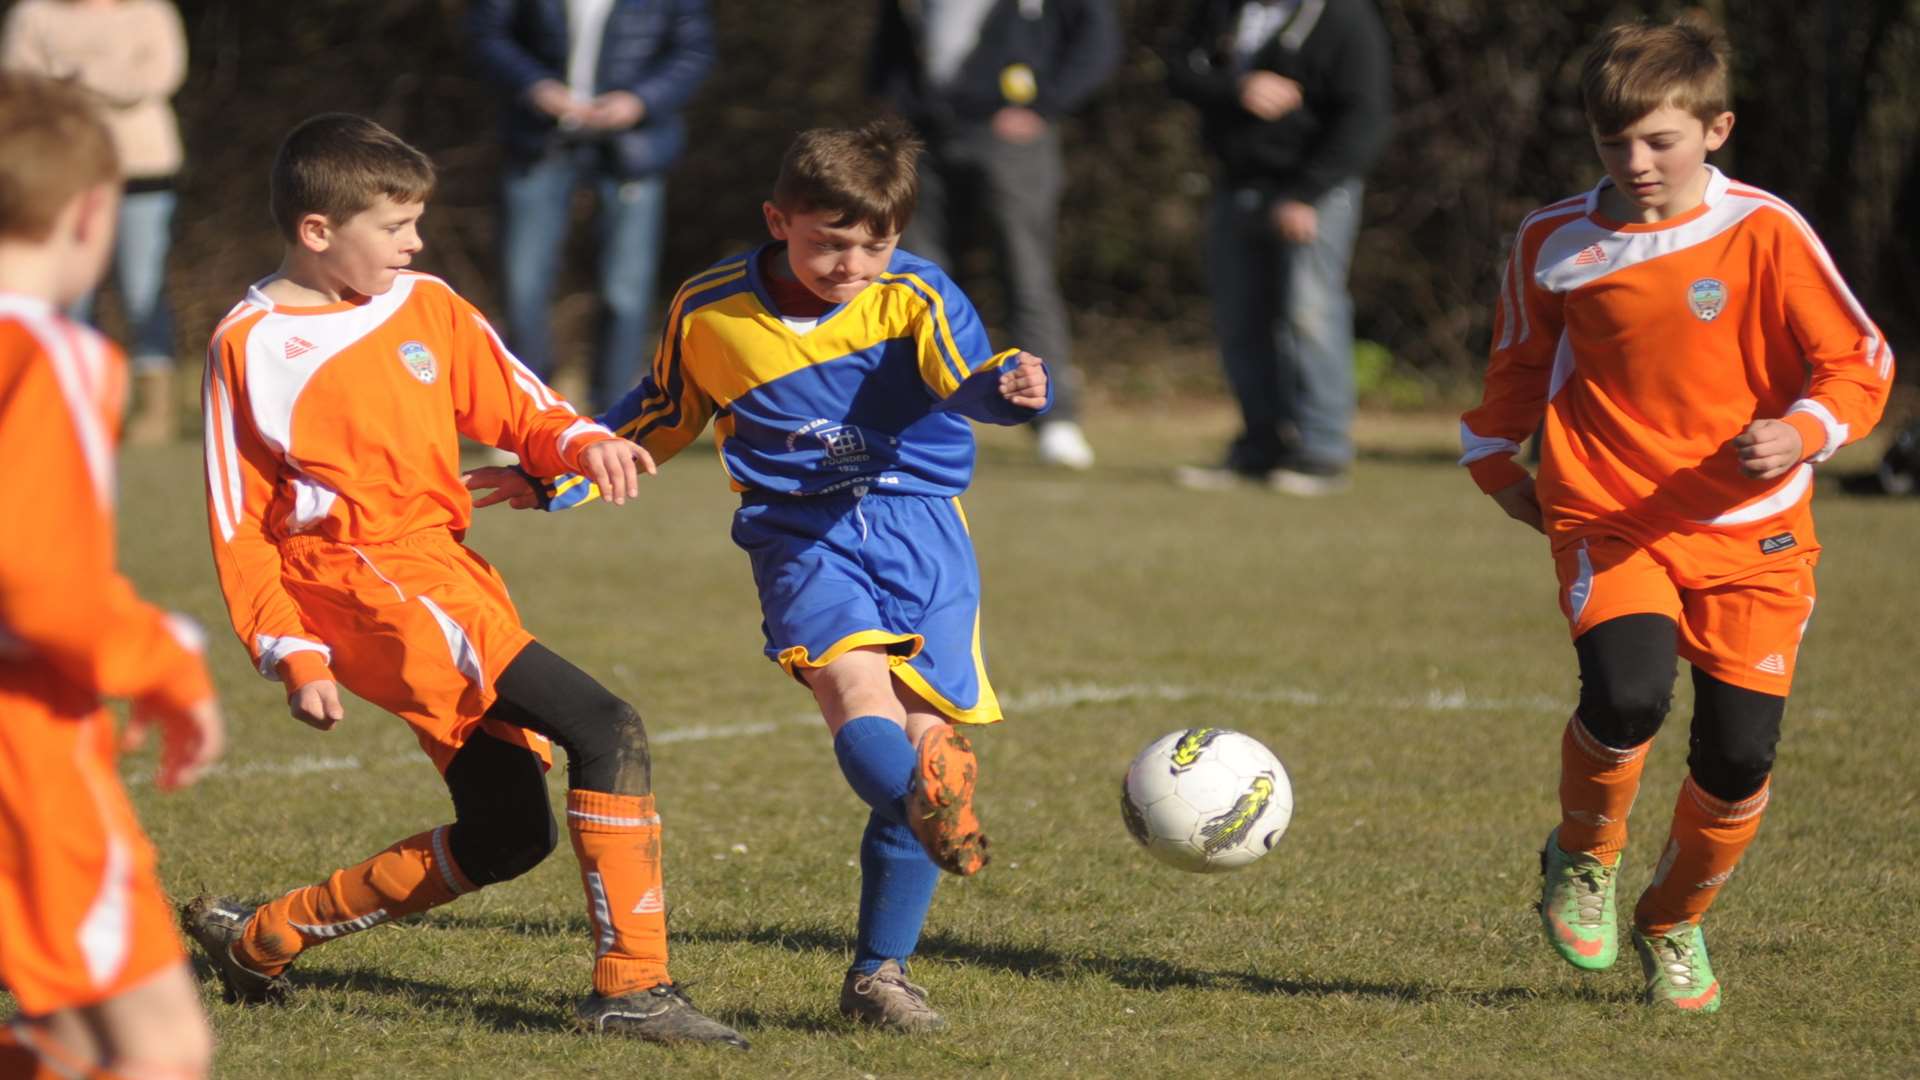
x=1489, y=126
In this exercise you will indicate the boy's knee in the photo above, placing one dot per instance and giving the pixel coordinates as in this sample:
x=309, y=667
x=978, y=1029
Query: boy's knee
x=1624, y=712
x=503, y=849
x=1735, y=734
x=613, y=755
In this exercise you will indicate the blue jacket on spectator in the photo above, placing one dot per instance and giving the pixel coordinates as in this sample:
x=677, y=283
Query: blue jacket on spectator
x=660, y=50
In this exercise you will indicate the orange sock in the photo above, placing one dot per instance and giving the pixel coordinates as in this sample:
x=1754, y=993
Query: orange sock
x=1709, y=836
x=411, y=876
x=1598, y=784
x=617, y=839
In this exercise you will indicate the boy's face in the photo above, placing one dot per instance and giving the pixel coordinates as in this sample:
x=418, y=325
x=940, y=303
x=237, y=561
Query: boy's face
x=367, y=251
x=834, y=262
x=1658, y=162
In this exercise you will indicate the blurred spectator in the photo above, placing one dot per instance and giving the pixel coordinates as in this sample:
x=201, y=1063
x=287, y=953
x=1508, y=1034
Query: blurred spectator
x=595, y=91
x=1295, y=101
x=133, y=54
x=985, y=82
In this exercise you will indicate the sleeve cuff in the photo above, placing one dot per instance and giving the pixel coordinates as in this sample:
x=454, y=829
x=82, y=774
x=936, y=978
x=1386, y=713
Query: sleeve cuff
x=300, y=668
x=1813, y=435
x=1496, y=471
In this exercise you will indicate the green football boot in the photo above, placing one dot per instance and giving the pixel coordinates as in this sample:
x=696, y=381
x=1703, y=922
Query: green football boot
x=1576, y=906
x=1676, y=968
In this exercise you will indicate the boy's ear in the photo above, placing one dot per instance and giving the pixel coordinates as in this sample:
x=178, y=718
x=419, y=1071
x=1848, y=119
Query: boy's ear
x=314, y=232
x=776, y=221
x=1718, y=129
x=94, y=210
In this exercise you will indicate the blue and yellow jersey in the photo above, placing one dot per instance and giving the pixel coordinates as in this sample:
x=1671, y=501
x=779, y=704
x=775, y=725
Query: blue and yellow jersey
x=876, y=392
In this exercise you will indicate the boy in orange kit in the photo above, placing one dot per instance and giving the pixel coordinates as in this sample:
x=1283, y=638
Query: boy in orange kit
x=87, y=945
x=335, y=396
x=1694, y=353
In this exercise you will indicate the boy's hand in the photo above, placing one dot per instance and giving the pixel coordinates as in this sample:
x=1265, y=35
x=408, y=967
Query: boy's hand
x=317, y=704
x=1026, y=384
x=503, y=483
x=1768, y=448
x=190, y=740
x=611, y=465
x=1269, y=96
x=1520, y=503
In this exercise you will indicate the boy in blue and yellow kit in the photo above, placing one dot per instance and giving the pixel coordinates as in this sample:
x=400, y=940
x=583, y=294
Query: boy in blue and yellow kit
x=840, y=373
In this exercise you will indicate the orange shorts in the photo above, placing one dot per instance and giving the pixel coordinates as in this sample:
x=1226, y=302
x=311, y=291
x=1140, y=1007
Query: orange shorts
x=82, y=914
x=421, y=627
x=1745, y=632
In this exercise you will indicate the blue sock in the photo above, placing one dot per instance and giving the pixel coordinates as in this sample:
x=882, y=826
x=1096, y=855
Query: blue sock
x=878, y=762
x=896, y=888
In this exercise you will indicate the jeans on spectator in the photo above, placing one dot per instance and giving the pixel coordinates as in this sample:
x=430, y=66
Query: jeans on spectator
x=1016, y=187
x=1284, y=319
x=538, y=199
x=141, y=239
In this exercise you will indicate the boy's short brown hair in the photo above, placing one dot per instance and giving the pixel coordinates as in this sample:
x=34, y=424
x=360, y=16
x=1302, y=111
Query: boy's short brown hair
x=1638, y=67
x=338, y=164
x=53, y=146
x=866, y=175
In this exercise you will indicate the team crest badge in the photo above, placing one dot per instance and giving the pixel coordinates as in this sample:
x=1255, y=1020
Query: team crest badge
x=419, y=361
x=1707, y=297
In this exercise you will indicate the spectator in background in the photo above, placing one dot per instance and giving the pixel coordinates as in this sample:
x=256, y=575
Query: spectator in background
x=133, y=55
x=1295, y=100
x=985, y=82
x=595, y=92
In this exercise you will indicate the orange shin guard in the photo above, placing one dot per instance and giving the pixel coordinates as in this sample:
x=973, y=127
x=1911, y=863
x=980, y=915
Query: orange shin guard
x=1709, y=836
x=1598, y=784
x=617, y=839
x=411, y=876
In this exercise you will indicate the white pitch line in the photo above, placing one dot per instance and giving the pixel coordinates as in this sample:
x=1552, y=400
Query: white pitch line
x=1045, y=699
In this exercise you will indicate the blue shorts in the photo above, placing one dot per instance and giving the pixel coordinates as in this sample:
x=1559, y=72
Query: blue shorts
x=838, y=572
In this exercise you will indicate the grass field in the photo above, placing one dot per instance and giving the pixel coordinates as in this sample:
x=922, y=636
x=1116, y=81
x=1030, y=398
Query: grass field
x=1399, y=648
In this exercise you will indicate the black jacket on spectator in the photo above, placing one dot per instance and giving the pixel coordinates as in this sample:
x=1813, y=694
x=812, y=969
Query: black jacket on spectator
x=660, y=50
x=1336, y=50
x=1072, y=46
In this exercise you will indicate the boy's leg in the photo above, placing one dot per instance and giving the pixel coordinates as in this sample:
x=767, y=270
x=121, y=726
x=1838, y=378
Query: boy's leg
x=1720, y=805
x=901, y=756
x=615, y=830
x=414, y=875
x=1627, y=665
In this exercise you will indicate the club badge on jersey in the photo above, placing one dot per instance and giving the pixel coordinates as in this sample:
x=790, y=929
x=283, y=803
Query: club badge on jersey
x=419, y=361
x=1707, y=297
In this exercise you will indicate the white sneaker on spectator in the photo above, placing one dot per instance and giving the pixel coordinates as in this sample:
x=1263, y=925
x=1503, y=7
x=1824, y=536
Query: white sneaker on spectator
x=1063, y=445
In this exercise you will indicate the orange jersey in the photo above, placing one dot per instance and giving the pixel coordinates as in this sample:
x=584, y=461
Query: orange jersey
x=82, y=914
x=71, y=629
x=1646, y=348
x=342, y=421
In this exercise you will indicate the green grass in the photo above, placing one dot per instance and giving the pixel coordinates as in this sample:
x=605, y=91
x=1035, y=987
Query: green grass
x=1399, y=647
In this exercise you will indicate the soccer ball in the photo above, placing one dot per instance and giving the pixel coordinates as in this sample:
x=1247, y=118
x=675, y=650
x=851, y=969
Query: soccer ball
x=1206, y=800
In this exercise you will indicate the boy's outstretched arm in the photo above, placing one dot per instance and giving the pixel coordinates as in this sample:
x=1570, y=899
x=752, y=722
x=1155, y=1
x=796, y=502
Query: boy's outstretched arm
x=1012, y=389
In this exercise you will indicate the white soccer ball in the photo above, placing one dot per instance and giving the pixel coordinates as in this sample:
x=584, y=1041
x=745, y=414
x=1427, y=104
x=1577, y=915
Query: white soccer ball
x=1206, y=800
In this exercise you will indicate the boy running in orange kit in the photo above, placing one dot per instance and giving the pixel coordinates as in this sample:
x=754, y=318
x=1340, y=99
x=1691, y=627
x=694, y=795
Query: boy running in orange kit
x=87, y=945
x=335, y=396
x=1694, y=353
